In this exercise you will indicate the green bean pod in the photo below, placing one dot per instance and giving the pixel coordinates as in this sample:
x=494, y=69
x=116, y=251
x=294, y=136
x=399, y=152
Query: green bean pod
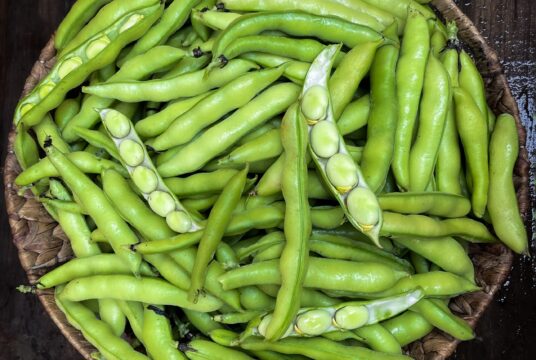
x=471, y=81
x=425, y=226
x=473, y=130
x=218, y=221
x=431, y=203
x=436, y=96
x=295, y=70
x=297, y=23
x=264, y=217
x=322, y=273
x=355, y=115
x=130, y=288
x=297, y=224
x=210, y=109
x=202, y=321
x=332, y=247
x=102, y=264
x=299, y=49
x=135, y=158
x=502, y=205
x=434, y=284
x=379, y=338
x=198, y=349
x=264, y=147
x=162, y=90
x=66, y=111
x=104, y=18
x=157, y=335
x=215, y=20
x=445, y=252
x=137, y=68
x=252, y=298
x=172, y=19
x=347, y=77
x=48, y=130
x=340, y=173
x=439, y=315
x=408, y=327
x=448, y=165
x=93, y=199
x=359, y=16
x=409, y=82
x=343, y=316
x=216, y=139
x=87, y=163
x=99, y=140
x=381, y=124
x=134, y=314
x=201, y=183
x=317, y=348
x=97, y=332
x=72, y=69
x=157, y=123
x=74, y=21
x=200, y=29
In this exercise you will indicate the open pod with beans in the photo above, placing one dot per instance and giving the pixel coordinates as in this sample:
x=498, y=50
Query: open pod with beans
x=265, y=179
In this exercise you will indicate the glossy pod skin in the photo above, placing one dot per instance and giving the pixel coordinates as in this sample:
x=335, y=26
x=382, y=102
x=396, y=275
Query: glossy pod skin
x=424, y=226
x=439, y=315
x=295, y=23
x=436, y=96
x=347, y=77
x=217, y=222
x=323, y=273
x=340, y=173
x=91, y=265
x=72, y=69
x=98, y=206
x=78, y=15
x=343, y=316
x=409, y=80
x=297, y=224
x=97, y=332
x=408, y=327
x=315, y=348
x=157, y=335
x=431, y=203
x=358, y=16
x=190, y=84
x=502, y=204
x=445, y=252
x=85, y=162
x=124, y=287
x=381, y=124
x=135, y=158
x=172, y=19
x=137, y=68
x=105, y=17
x=155, y=124
x=448, y=164
x=227, y=132
x=473, y=131
x=210, y=109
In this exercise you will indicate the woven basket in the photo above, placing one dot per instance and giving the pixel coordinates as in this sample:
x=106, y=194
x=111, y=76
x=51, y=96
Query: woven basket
x=41, y=243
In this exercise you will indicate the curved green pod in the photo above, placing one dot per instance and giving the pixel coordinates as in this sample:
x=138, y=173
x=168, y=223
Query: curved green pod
x=343, y=316
x=135, y=158
x=340, y=173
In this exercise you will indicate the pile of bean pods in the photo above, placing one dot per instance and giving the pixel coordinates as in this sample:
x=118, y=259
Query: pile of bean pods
x=270, y=179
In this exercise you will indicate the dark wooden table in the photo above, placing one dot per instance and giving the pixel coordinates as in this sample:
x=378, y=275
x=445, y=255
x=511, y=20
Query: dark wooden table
x=508, y=328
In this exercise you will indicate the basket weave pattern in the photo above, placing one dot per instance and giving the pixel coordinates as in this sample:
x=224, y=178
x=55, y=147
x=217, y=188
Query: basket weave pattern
x=41, y=243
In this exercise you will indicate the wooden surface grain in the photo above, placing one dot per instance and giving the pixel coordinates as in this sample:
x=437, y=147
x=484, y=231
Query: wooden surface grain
x=507, y=330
